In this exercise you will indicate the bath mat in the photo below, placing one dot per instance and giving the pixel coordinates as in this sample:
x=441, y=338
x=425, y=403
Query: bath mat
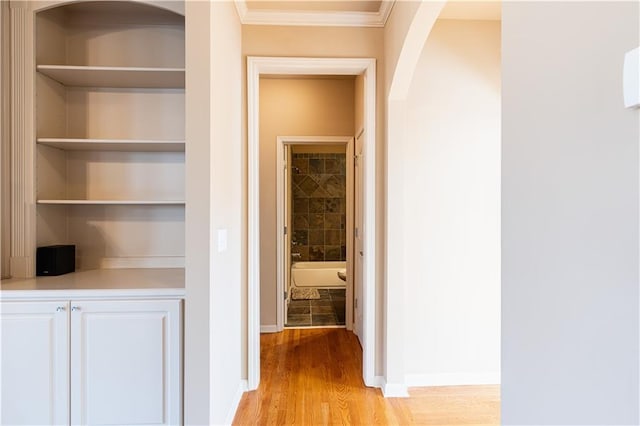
x=298, y=293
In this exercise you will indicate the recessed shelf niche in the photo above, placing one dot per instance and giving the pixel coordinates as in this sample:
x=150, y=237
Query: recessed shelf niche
x=110, y=106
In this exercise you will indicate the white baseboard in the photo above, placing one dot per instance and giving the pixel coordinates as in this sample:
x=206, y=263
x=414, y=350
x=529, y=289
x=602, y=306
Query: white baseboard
x=269, y=328
x=378, y=382
x=452, y=379
x=394, y=390
x=242, y=388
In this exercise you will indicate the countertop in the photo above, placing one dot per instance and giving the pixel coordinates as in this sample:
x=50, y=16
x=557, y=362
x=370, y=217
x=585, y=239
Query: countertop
x=99, y=283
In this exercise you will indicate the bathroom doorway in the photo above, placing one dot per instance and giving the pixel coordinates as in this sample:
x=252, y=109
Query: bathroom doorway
x=316, y=214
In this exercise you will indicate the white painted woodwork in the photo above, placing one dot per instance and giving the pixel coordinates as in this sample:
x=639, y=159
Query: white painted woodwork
x=110, y=128
x=358, y=246
x=5, y=139
x=22, y=262
x=113, y=202
x=34, y=369
x=134, y=145
x=301, y=16
x=81, y=361
x=98, y=283
x=257, y=66
x=92, y=76
x=125, y=362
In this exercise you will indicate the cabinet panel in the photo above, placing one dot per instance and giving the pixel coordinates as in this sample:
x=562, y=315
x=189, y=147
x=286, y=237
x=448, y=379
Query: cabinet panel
x=125, y=354
x=34, y=369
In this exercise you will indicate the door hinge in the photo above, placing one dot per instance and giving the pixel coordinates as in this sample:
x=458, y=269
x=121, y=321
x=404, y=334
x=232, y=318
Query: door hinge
x=285, y=230
x=285, y=295
x=356, y=231
x=355, y=303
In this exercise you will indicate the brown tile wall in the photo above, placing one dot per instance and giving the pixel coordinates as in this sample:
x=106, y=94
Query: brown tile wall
x=319, y=206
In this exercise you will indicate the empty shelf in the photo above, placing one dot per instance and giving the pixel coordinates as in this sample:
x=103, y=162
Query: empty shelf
x=113, y=145
x=113, y=202
x=90, y=76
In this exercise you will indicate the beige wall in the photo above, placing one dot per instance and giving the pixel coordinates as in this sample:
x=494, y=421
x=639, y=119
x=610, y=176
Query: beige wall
x=330, y=42
x=292, y=107
x=313, y=149
x=452, y=208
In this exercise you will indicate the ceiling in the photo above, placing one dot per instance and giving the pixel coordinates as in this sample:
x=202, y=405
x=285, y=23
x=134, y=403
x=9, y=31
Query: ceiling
x=355, y=13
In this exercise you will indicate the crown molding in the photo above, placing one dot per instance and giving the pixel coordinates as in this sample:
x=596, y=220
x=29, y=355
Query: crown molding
x=314, y=18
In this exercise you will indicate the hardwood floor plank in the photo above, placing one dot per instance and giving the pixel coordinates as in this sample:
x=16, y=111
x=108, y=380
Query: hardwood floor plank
x=314, y=377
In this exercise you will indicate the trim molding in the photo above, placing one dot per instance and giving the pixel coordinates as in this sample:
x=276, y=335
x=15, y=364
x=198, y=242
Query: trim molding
x=314, y=18
x=23, y=203
x=310, y=66
x=394, y=390
x=5, y=138
x=271, y=328
x=283, y=262
x=452, y=379
x=235, y=402
x=378, y=382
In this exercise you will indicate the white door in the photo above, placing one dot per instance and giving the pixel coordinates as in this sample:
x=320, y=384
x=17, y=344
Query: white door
x=34, y=372
x=125, y=363
x=358, y=271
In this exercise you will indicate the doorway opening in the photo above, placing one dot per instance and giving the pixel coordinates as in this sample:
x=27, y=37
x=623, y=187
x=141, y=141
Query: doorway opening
x=363, y=69
x=316, y=247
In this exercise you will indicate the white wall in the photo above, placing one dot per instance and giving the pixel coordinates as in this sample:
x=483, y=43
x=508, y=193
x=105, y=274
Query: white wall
x=292, y=107
x=227, y=206
x=215, y=175
x=570, y=215
x=452, y=207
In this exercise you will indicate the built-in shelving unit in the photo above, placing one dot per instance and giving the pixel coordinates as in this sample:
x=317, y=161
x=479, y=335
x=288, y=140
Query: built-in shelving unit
x=110, y=139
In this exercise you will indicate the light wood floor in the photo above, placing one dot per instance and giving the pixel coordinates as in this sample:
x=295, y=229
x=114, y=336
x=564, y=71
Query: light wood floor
x=314, y=377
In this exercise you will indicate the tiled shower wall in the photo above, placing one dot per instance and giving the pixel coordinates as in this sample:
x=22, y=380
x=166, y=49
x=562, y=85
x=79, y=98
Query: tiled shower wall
x=319, y=206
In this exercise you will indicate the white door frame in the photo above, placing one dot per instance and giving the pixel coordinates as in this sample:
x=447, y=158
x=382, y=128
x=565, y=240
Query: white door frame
x=348, y=142
x=257, y=66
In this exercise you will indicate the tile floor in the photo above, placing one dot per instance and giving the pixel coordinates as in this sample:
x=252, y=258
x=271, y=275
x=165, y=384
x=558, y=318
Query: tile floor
x=328, y=310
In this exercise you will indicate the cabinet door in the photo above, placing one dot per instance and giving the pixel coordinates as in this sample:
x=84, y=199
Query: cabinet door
x=34, y=367
x=126, y=363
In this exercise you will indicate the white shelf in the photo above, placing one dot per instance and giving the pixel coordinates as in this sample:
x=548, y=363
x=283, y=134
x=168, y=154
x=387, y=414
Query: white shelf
x=133, y=145
x=113, y=202
x=125, y=77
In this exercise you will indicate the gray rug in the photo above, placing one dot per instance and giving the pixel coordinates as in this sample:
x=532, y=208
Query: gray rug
x=301, y=293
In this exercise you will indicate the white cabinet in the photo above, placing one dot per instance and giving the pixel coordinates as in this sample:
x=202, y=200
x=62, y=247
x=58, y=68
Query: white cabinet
x=92, y=362
x=125, y=363
x=34, y=371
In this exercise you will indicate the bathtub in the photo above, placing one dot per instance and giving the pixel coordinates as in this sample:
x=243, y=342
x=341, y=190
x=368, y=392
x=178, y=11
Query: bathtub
x=317, y=274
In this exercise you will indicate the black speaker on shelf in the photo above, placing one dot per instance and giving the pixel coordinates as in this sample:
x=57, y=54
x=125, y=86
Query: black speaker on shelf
x=55, y=260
